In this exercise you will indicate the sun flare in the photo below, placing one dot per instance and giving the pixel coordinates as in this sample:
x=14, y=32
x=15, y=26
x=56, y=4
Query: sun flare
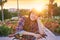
x=40, y=7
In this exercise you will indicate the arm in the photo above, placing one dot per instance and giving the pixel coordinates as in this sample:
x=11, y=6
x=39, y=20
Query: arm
x=30, y=34
x=22, y=32
x=20, y=27
x=41, y=28
x=27, y=33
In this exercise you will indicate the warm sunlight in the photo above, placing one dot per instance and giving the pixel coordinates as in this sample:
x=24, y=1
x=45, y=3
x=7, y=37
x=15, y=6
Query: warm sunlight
x=40, y=7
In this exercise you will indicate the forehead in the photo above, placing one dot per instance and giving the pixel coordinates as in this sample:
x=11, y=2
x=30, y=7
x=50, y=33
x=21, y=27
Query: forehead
x=34, y=13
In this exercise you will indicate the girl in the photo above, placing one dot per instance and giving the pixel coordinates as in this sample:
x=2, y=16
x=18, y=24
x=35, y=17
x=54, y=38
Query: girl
x=28, y=26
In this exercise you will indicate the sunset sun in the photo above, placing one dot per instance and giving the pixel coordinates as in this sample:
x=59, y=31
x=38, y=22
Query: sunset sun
x=40, y=7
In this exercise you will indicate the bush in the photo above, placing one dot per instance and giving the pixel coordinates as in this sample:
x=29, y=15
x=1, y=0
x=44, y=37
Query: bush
x=57, y=30
x=4, y=30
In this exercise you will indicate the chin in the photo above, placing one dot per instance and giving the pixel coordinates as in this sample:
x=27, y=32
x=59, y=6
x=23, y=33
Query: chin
x=33, y=19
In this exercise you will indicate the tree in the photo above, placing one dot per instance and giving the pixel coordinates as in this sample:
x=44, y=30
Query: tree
x=7, y=14
x=2, y=4
x=50, y=8
x=56, y=11
x=55, y=5
x=14, y=14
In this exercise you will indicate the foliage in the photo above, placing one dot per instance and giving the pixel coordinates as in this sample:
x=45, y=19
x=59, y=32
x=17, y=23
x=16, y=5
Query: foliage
x=57, y=30
x=5, y=30
x=51, y=24
x=24, y=12
x=56, y=10
x=14, y=14
x=2, y=2
x=7, y=15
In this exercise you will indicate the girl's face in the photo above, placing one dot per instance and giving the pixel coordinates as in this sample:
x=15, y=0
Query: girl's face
x=33, y=16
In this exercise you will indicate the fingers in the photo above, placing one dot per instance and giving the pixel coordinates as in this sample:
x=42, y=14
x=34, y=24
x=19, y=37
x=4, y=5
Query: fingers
x=38, y=36
x=43, y=35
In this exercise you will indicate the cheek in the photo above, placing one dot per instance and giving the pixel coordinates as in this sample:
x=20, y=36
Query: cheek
x=32, y=17
x=35, y=17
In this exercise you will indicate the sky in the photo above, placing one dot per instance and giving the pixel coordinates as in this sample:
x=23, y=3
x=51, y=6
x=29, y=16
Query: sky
x=27, y=4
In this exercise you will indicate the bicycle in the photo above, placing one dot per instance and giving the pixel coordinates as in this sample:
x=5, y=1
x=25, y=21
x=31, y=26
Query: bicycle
x=19, y=37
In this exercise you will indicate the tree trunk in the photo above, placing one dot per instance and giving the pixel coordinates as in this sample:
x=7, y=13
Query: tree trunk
x=2, y=13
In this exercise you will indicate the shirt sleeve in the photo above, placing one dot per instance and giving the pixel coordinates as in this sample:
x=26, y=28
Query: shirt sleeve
x=20, y=24
x=20, y=32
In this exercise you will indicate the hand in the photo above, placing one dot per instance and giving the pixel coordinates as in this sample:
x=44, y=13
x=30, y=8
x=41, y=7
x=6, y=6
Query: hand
x=43, y=35
x=38, y=36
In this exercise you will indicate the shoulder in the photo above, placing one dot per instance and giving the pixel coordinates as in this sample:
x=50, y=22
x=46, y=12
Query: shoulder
x=39, y=19
x=22, y=18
